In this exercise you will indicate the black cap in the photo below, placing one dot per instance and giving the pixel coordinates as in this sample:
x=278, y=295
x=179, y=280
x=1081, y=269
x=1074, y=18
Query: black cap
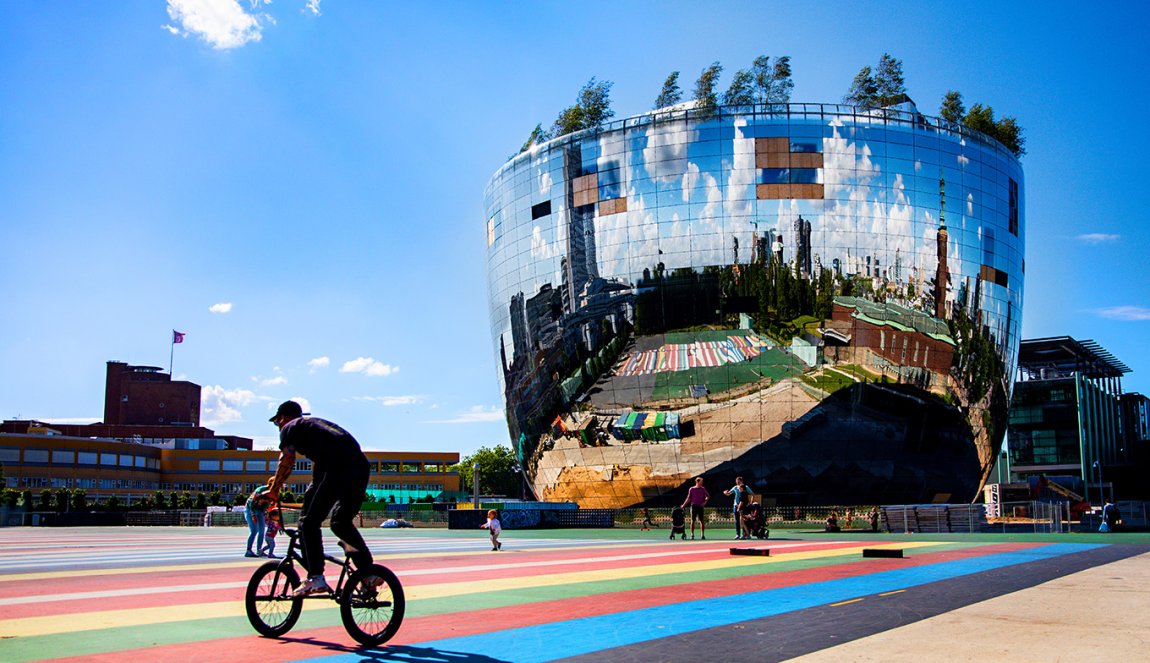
x=288, y=409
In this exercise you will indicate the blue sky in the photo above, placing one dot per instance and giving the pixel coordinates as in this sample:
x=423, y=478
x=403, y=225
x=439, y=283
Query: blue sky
x=298, y=186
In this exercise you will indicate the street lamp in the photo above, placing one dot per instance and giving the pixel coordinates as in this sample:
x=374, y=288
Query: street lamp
x=475, y=483
x=1101, y=490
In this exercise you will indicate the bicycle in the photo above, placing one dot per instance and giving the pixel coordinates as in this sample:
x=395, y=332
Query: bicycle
x=371, y=612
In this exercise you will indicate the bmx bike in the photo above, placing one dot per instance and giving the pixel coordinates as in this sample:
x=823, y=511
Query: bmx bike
x=370, y=599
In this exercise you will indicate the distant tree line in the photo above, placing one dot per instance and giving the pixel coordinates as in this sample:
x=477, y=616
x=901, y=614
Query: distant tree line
x=767, y=82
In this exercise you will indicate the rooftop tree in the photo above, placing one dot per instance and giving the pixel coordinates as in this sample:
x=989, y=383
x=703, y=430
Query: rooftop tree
x=890, y=87
x=863, y=91
x=705, y=96
x=670, y=94
x=592, y=108
x=781, y=83
x=952, y=108
x=742, y=91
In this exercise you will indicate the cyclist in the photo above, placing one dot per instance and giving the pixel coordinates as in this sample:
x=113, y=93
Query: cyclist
x=339, y=478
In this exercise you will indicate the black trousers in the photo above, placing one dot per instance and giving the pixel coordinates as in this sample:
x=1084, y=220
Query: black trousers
x=345, y=492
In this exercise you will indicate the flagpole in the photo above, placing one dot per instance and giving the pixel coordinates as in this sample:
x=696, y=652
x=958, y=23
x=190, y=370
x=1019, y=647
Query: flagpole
x=172, y=354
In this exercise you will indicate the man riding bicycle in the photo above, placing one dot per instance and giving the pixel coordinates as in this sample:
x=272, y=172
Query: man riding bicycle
x=340, y=474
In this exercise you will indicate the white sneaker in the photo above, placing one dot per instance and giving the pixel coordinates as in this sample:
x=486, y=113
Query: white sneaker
x=313, y=585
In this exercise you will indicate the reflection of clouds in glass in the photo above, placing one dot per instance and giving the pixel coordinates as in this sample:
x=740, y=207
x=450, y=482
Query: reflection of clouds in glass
x=690, y=180
x=545, y=183
x=963, y=160
x=540, y=247
x=666, y=151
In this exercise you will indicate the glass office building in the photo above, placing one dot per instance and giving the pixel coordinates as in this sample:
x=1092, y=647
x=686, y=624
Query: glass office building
x=822, y=299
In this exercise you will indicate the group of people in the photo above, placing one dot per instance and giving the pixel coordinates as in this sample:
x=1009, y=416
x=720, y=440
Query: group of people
x=741, y=508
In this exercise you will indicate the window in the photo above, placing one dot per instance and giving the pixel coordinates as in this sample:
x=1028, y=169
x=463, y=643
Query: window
x=86, y=457
x=212, y=465
x=257, y=465
x=125, y=460
x=389, y=467
x=9, y=455
x=1013, y=207
x=107, y=458
x=302, y=466
x=35, y=455
x=63, y=456
x=411, y=467
x=233, y=466
x=540, y=210
x=140, y=461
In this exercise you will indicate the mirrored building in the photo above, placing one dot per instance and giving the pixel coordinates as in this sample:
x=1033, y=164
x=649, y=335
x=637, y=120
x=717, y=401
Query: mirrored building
x=822, y=299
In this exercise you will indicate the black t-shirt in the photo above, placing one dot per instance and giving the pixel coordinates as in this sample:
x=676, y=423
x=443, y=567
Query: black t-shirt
x=329, y=447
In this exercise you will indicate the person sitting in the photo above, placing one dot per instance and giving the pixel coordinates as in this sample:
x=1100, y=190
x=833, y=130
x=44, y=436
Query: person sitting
x=833, y=522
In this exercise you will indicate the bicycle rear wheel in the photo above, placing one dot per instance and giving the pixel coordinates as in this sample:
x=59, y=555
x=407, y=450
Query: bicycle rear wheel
x=372, y=605
x=271, y=609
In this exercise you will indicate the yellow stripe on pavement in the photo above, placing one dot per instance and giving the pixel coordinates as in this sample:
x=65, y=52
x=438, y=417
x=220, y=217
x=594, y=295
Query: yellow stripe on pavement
x=142, y=617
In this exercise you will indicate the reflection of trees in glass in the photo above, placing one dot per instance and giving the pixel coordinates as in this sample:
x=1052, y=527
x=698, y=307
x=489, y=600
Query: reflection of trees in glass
x=670, y=94
x=767, y=289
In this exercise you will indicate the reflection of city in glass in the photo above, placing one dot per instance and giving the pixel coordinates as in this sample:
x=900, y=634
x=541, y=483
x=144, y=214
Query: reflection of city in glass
x=821, y=299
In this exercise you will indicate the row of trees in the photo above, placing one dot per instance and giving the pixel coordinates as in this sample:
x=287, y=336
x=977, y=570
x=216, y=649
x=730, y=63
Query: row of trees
x=886, y=85
x=767, y=82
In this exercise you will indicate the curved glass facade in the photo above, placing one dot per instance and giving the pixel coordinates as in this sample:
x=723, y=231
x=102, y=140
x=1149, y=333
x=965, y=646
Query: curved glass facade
x=821, y=299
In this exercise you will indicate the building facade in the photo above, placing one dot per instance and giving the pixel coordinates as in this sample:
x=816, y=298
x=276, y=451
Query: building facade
x=1066, y=415
x=823, y=299
x=45, y=460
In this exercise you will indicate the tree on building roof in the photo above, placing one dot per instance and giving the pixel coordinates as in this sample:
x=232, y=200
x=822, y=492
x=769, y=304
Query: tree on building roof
x=670, y=94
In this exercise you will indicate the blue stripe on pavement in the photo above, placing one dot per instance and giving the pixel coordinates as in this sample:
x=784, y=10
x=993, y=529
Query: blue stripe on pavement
x=562, y=639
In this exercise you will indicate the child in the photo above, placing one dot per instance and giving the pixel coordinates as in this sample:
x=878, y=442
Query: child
x=492, y=525
x=647, y=522
x=275, y=526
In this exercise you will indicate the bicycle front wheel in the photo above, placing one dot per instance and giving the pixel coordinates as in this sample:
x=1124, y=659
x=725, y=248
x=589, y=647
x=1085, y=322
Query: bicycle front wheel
x=371, y=605
x=271, y=609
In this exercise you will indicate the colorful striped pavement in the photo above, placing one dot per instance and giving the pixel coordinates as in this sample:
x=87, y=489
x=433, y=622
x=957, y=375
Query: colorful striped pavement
x=176, y=594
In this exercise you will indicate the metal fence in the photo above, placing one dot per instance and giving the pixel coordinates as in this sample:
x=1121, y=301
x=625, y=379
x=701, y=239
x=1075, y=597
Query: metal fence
x=1008, y=517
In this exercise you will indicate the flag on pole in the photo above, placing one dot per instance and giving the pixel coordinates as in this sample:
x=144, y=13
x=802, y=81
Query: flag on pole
x=177, y=337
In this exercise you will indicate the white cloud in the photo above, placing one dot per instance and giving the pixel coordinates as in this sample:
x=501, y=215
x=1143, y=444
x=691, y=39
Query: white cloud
x=221, y=23
x=1098, y=238
x=312, y=7
x=474, y=415
x=222, y=307
x=368, y=366
x=219, y=405
x=1125, y=313
x=392, y=401
x=318, y=363
x=268, y=382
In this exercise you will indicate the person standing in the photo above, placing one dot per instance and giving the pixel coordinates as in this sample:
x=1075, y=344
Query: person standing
x=1110, y=517
x=494, y=528
x=742, y=493
x=255, y=512
x=339, y=479
x=697, y=497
